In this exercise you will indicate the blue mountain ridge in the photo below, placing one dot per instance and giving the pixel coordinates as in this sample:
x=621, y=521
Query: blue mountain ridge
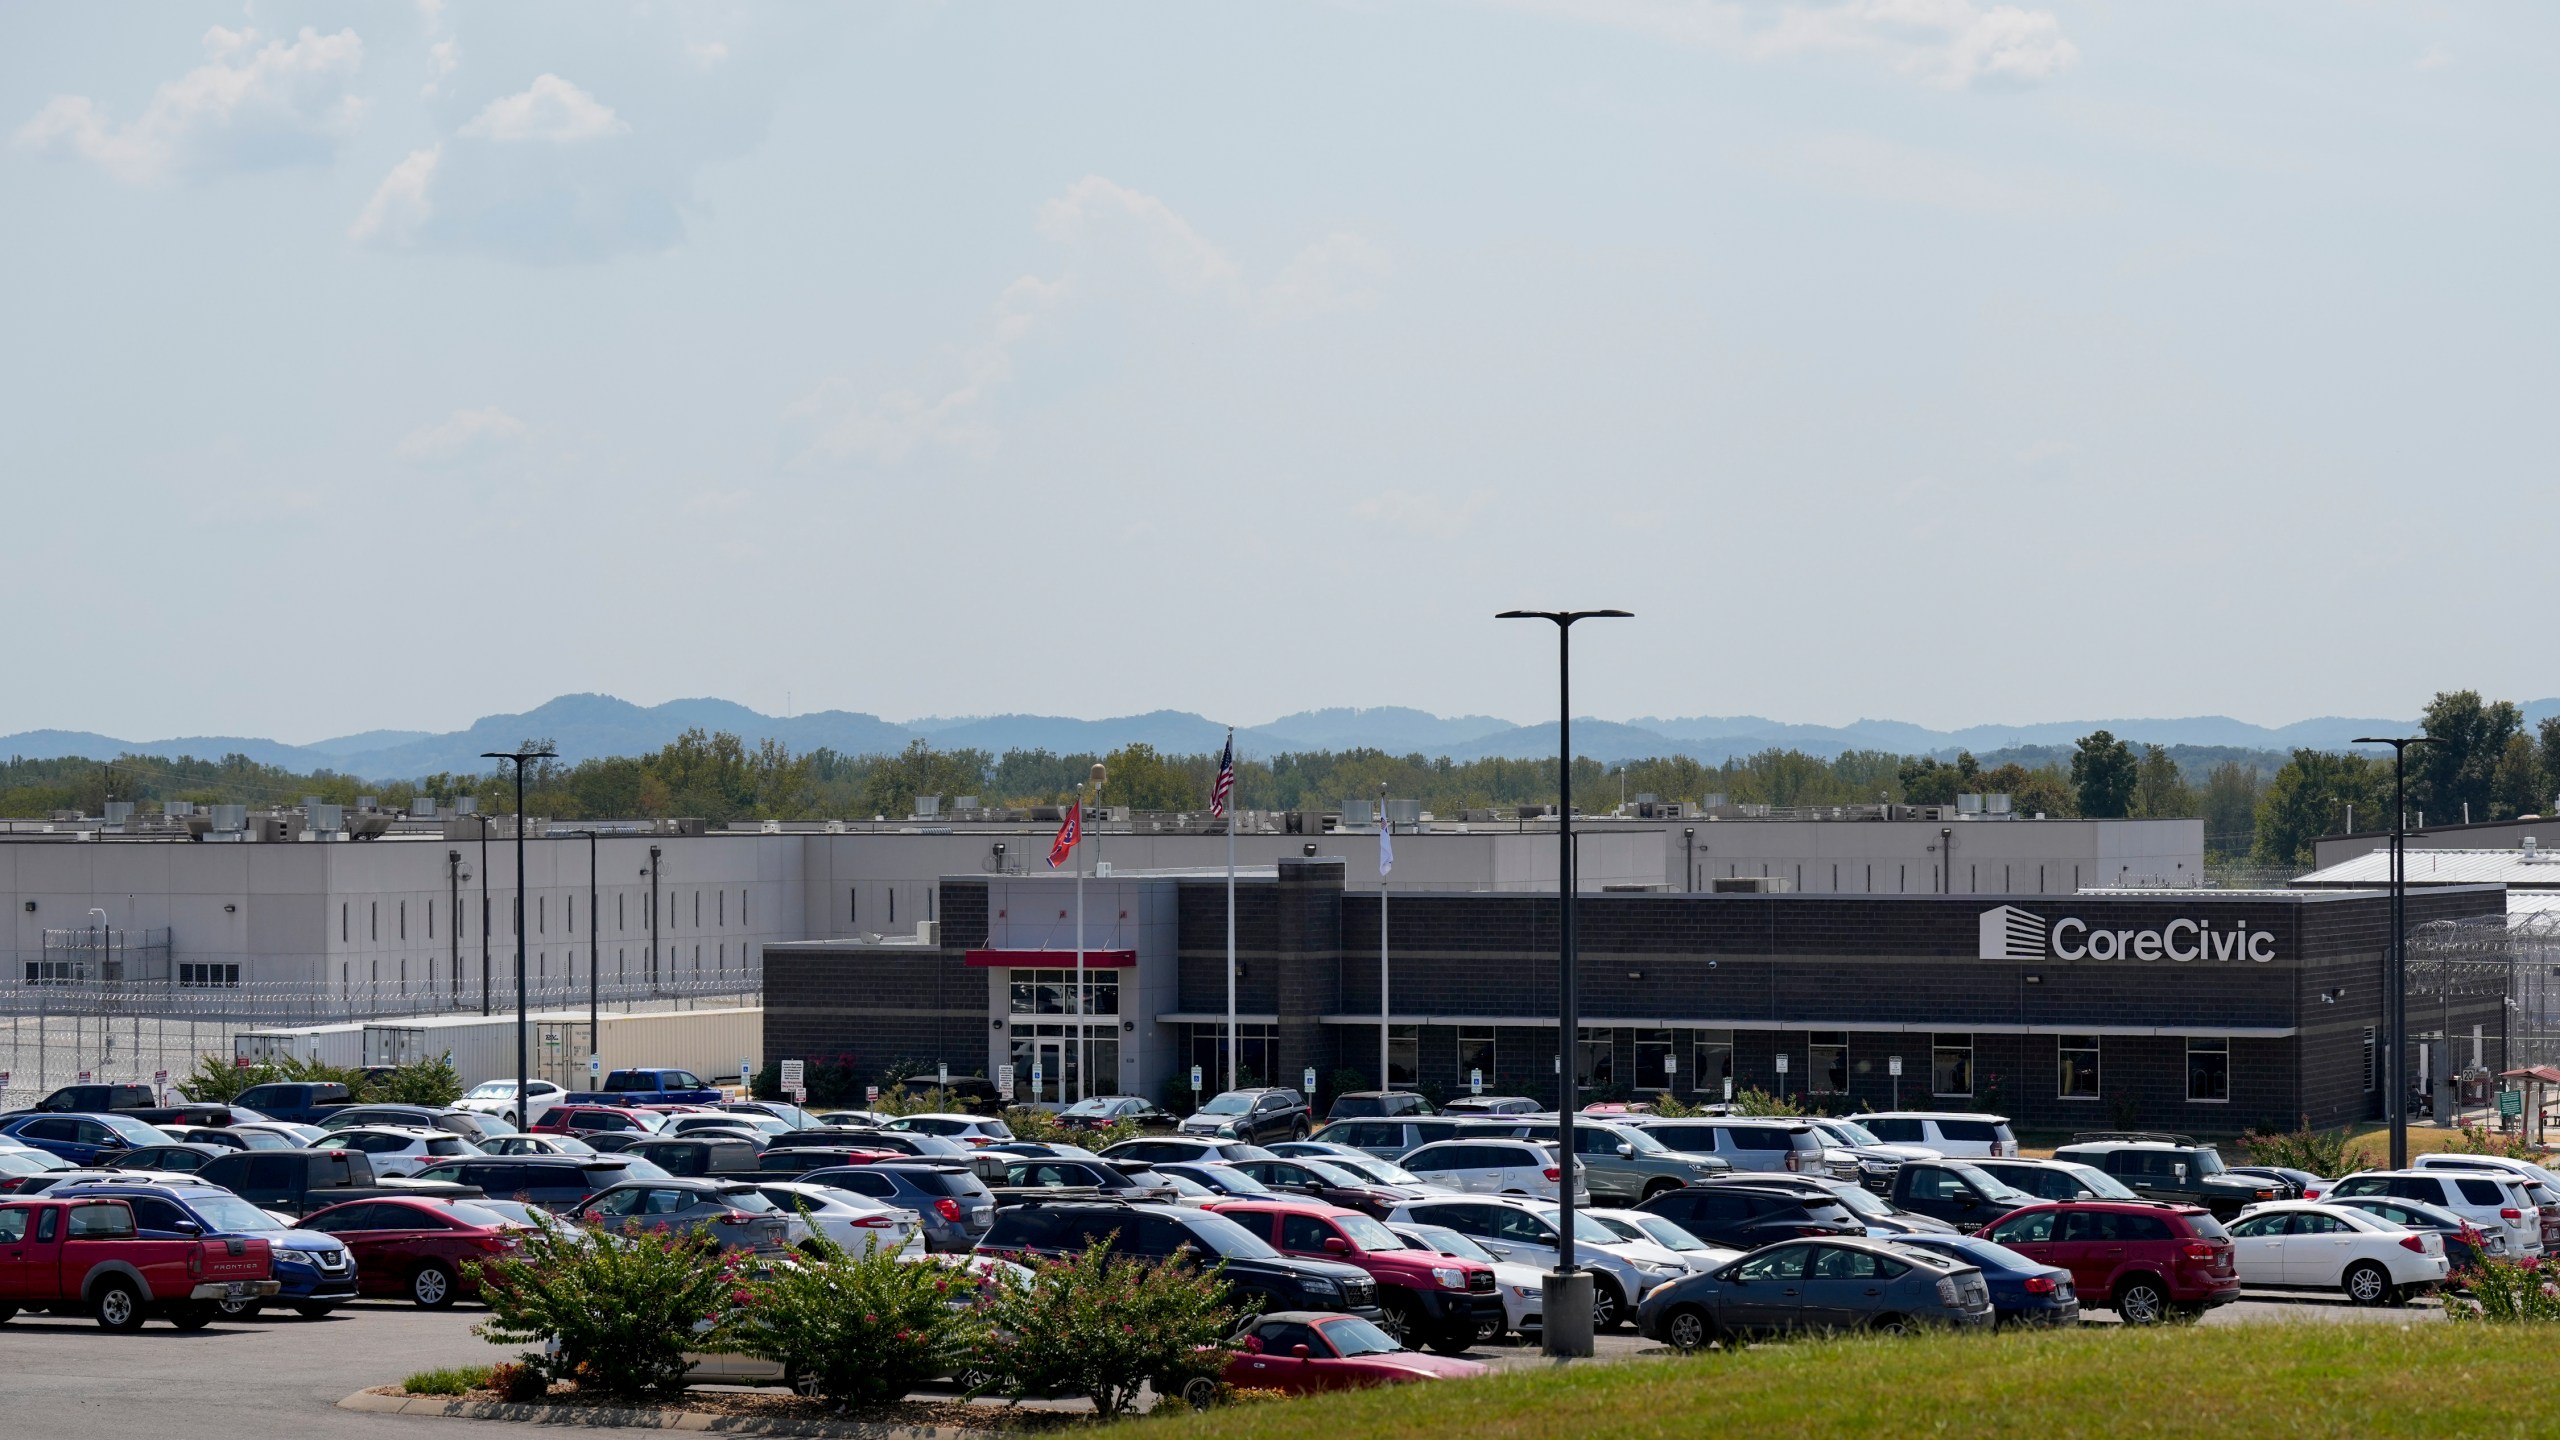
x=589, y=726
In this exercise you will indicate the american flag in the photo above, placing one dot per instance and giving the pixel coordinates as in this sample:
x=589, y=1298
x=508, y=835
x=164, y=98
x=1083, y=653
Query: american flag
x=1225, y=789
x=1070, y=830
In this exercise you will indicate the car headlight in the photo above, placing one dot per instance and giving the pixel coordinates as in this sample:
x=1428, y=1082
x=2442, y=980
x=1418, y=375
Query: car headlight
x=1448, y=1277
x=1701, y=1168
x=1319, y=1285
x=1525, y=1292
x=1658, y=1289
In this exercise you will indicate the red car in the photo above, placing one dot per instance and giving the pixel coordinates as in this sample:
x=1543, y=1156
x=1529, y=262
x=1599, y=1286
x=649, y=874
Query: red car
x=598, y=1120
x=418, y=1248
x=2148, y=1260
x=78, y=1254
x=1303, y=1350
x=1429, y=1298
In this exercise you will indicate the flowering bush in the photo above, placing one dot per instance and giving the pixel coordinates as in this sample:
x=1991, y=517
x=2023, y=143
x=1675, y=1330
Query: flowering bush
x=2480, y=1140
x=2322, y=1152
x=860, y=1330
x=616, y=1313
x=1100, y=1326
x=2507, y=1292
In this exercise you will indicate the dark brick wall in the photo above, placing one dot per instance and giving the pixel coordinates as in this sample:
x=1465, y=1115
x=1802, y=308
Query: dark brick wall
x=878, y=1005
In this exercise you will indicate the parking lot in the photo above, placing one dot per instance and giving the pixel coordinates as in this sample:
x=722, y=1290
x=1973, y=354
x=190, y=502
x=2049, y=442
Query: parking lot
x=280, y=1378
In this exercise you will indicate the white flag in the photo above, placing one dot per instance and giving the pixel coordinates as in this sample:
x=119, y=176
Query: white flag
x=1386, y=842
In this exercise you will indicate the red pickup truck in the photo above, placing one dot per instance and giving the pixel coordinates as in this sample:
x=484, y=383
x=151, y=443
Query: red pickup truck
x=84, y=1255
x=1428, y=1298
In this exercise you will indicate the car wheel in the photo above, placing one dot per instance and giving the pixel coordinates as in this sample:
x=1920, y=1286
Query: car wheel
x=431, y=1287
x=1608, y=1308
x=117, y=1307
x=2368, y=1283
x=1659, y=1187
x=194, y=1315
x=1688, y=1329
x=1199, y=1392
x=313, y=1312
x=1891, y=1325
x=2141, y=1302
x=1452, y=1339
x=239, y=1309
x=1396, y=1317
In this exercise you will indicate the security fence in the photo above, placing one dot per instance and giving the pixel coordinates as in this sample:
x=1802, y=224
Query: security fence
x=61, y=1025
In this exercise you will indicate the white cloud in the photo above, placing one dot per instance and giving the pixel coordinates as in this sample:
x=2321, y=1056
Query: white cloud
x=443, y=58
x=1105, y=226
x=1954, y=44
x=253, y=104
x=1428, y=517
x=399, y=208
x=552, y=110
x=462, y=436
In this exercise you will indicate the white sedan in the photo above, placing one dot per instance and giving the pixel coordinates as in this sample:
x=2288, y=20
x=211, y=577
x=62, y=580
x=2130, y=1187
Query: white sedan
x=498, y=1097
x=1521, y=1286
x=856, y=1224
x=1663, y=1243
x=2305, y=1245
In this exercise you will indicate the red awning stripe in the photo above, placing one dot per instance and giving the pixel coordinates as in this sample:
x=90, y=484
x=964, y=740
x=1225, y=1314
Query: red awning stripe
x=1050, y=959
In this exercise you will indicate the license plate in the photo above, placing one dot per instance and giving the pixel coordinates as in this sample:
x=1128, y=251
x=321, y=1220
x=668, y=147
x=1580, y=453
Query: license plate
x=236, y=1290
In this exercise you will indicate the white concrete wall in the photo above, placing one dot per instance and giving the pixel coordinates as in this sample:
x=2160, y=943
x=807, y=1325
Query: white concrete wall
x=1992, y=857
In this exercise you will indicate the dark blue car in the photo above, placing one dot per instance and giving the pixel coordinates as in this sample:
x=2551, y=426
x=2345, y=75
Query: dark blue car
x=316, y=1272
x=2023, y=1291
x=83, y=1139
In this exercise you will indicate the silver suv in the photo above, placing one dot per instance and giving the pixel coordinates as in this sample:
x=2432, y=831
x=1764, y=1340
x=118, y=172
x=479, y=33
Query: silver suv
x=1745, y=1143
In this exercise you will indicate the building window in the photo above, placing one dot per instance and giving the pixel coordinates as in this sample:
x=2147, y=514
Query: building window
x=1476, y=1056
x=1595, y=1058
x=893, y=904
x=1052, y=992
x=1711, y=1061
x=2077, y=1067
x=342, y=922
x=404, y=921
x=51, y=972
x=724, y=909
x=208, y=977
x=2368, y=1059
x=1826, y=1070
x=1653, y=1059
x=1257, y=1049
x=1951, y=1065
x=541, y=914
x=2209, y=1068
x=1404, y=1055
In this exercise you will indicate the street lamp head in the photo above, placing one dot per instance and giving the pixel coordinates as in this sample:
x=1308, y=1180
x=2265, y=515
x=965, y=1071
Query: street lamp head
x=519, y=756
x=1097, y=773
x=2394, y=741
x=1566, y=617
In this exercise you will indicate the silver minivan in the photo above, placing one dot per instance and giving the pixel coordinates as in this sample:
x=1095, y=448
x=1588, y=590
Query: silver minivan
x=1745, y=1143
x=1388, y=1139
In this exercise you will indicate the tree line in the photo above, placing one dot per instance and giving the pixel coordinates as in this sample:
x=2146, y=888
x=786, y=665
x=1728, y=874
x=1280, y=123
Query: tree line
x=2262, y=806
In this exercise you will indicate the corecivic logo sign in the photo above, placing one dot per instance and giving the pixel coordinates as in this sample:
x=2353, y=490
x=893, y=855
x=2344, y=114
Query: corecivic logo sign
x=2009, y=933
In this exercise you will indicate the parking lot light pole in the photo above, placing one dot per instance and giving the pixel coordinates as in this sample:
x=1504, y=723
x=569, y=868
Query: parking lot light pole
x=524, y=1057
x=2395, y=987
x=1567, y=1298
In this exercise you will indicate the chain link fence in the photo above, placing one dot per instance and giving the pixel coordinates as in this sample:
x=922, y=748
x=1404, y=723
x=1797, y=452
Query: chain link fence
x=60, y=1028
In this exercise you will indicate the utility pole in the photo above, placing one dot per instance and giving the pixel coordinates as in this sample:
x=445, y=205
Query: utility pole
x=2395, y=991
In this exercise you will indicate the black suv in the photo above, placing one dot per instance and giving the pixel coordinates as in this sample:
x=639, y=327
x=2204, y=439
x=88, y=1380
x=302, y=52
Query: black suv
x=1739, y=1215
x=558, y=1183
x=1376, y=1105
x=98, y=1099
x=2172, y=1168
x=1257, y=1117
x=1258, y=1277
x=695, y=1157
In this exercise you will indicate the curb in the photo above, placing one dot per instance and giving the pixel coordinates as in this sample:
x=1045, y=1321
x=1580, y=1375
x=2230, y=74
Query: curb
x=642, y=1417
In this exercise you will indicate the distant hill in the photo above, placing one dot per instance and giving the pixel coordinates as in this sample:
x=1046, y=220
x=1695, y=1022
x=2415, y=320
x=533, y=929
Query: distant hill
x=585, y=727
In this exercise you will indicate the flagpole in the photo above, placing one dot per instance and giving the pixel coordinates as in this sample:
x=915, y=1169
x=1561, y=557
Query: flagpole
x=1083, y=1059
x=1386, y=861
x=1231, y=922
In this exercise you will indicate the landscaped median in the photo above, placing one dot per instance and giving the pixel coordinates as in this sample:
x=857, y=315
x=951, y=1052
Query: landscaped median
x=2307, y=1379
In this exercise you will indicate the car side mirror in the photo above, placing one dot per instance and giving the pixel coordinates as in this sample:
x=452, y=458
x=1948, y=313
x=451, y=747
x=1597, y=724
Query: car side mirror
x=1337, y=1245
x=2181, y=1172
x=1626, y=1152
x=1299, y=1351
x=188, y=1227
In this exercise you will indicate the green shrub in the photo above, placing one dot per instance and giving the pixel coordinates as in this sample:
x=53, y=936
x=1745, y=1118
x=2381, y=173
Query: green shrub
x=2322, y=1152
x=217, y=1079
x=1761, y=1102
x=619, y=1310
x=424, y=1082
x=861, y=1330
x=2504, y=1292
x=1100, y=1326
x=452, y=1380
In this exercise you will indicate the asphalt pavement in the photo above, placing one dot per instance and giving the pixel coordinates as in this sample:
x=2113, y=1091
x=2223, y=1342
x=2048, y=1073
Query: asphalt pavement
x=280, y=1377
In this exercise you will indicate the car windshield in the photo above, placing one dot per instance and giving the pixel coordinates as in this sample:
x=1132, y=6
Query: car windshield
x=1183, y=1186
x=752, y=1201
x=1385, y=1172
x=1328, y=1172
x=1585, y=1228
x=492, y=1090
x=1668, y=1235
x=1852, y=1131
x=231, y=1215
x=1368, y=1234
x=133, y=1132
x=474, y=1214
x=2102, y=1184
x=1644, y=1144
x=1225, y=1179
x=1985, y=1253
x=1094, y=1105
x=791, y=1116
x=1442, y=1238
x=1352, y=1336
x=1228, y=1238
x=2209, y=1162
x=1228, y=1104
x=1861, y=1202
x=1991, y=1185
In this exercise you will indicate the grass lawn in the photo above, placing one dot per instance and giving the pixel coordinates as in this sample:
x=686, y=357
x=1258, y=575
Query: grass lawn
x=2298, y=1380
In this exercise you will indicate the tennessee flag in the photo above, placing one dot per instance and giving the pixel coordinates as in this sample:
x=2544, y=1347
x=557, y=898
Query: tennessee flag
x=1070, y=830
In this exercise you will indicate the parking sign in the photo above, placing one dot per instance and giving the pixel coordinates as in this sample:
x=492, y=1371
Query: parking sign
x=795, y=1074
x=1195, y=1079
x=1475, y=1082
x=1310, y=1077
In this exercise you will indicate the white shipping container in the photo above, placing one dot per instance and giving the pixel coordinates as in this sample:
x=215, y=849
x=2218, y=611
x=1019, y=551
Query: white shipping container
x=483, y=1047
x=707, y=1042
x=329, y=1044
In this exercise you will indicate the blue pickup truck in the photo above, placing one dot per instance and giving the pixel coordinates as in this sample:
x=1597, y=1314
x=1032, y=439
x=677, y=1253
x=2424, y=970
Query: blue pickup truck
x=302, y=1102
x=649, y=1087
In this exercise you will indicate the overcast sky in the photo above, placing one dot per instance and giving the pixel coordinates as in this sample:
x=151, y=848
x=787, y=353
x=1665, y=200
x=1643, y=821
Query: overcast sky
x=388, y=365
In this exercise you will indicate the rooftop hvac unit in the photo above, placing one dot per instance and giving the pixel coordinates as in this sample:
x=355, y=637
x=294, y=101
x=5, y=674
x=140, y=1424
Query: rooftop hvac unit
x=928, y=806
x=1405, y=812
x=965, y=802
x=119, y=811
x=177, y=809
x=466, y=804
x=368, y=826
x=230, y=818
x=422, y=808
x=324, y=819
x=1998, y=805
x=1358, y=812
x=1968, y=804
x=1750, y=884
x=366, y=802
